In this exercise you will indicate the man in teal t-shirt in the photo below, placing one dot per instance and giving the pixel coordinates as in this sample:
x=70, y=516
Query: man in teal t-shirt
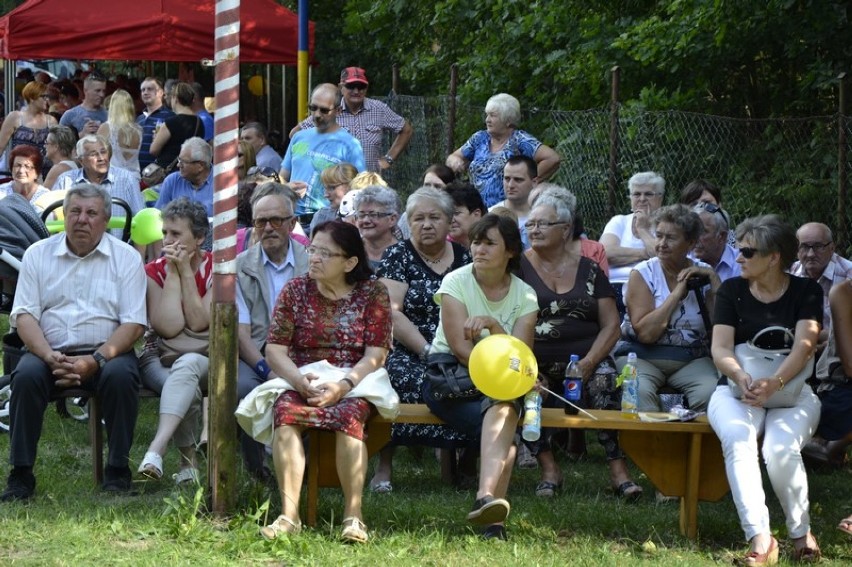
x=311, y=151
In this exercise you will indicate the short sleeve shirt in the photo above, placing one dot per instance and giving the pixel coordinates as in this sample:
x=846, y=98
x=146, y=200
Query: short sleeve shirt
x=486, y=168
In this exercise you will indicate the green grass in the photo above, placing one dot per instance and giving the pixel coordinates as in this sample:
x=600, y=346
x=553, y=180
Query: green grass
x=421, y=523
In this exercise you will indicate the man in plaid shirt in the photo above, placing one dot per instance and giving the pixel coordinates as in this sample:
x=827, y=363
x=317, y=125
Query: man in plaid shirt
x=367, y=119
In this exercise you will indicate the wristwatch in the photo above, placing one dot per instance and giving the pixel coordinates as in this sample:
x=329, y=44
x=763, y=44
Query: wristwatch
x=100, y=359
x=388, y=159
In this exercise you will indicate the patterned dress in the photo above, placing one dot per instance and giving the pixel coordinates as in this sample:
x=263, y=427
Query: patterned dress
x=403, y=264
x=315, y=328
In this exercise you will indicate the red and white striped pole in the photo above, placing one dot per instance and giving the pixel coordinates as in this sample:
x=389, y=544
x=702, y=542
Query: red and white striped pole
x=222, y=388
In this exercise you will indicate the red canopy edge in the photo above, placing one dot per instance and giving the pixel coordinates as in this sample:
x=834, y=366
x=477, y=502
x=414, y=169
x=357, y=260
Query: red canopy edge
x=146, y=30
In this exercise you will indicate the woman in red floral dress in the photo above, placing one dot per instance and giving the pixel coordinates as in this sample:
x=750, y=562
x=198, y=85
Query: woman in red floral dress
x=338, y=313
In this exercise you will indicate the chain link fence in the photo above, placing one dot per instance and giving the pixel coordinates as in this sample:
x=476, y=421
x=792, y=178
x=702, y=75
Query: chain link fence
x=788, y=166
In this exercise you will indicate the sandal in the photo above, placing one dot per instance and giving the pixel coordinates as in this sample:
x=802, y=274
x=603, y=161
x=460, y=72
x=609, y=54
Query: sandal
x=845, y=525
x=806, y=553
x=629, y=491
x=381, y=487
x=281, y=525
x=354, y=530
x=768, y=557
x=489, y=510
x=151, y=466
x=547, y=489
x=189, y=475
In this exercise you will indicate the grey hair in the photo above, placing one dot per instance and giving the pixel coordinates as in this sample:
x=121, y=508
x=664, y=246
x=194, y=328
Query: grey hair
x=682, y=217
x=441, y=198
x=198, y=150
x=507, y=108
x=651, y=178
x=64, y=138
x=720, y=221
x=771, y=233
x=275, y=189
x=382, y=196
x=92, y=139
x=193, y=211
x=329, y=88
x=88, y=191
x=560, y=199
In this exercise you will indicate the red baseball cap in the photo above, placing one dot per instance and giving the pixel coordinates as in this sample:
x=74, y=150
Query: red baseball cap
x=353, y=75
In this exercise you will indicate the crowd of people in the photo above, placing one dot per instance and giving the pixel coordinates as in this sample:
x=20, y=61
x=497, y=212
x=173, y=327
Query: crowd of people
x=347, y=302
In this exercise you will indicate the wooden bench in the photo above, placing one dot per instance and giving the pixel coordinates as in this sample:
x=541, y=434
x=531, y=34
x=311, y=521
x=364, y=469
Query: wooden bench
x=682, y=459
x=96, y=430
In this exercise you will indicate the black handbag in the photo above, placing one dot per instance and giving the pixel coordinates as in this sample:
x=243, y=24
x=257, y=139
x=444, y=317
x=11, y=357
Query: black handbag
x=448, y=378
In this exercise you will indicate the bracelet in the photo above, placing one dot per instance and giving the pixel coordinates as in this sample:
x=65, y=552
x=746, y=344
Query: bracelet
x=388, y=158
x=262, y=368
x=350, y=382
x=424, y=352
x=780, y=380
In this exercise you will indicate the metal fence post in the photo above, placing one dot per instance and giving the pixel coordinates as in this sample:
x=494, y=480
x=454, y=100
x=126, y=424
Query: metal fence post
x=842, y=164
x=451, y=119
x=613, y=139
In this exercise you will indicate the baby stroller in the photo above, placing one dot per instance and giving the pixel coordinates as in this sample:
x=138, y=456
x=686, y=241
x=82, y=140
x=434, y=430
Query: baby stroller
x=20, y=227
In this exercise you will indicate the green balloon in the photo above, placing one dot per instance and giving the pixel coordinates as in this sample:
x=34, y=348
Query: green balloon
x=147, y=226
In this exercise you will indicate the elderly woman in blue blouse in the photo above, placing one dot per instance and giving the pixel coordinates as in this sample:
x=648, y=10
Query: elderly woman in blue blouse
x=487, y=151
x=477, y=300
x=664, y=325
x=766, y=295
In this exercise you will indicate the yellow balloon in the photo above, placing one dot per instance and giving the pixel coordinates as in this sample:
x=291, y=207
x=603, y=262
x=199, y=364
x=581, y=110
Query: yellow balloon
x=255, y=85
x=147, y=226
x=503, y=367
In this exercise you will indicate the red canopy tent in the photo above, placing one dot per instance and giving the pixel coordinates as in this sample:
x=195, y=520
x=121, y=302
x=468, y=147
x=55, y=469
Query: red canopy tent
x=146, y=30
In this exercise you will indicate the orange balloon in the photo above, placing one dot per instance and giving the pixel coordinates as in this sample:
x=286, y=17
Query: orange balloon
x=255, y=85
x=503, y=367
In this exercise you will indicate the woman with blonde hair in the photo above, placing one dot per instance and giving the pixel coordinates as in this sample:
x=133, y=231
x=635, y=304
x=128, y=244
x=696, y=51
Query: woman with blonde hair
x=123, y=133
x=246, y=159
x=30, y=125
x=336, y=180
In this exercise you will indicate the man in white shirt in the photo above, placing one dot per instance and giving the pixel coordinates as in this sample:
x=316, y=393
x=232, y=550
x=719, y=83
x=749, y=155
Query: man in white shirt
x=79, y=308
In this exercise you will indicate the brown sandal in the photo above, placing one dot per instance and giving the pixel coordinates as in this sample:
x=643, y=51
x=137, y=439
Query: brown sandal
x=807, y=554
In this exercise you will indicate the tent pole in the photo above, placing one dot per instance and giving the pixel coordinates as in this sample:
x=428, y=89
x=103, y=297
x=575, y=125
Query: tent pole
x=268, y=97
x=284, y=130
x=9, y=82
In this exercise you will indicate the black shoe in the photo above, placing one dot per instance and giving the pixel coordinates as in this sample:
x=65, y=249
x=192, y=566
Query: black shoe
x=495, y=531
x=20, y=486
x=488, y=510
x=117, y=479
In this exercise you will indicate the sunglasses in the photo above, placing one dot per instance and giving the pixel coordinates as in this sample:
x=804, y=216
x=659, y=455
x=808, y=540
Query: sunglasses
x=276, y=222
x=324, y=110
x=356, y=87
x=713, y=210
x=263, y=172
x=748, y=253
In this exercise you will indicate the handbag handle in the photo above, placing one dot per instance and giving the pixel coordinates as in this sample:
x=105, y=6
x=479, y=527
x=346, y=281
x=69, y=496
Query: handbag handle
x=757, y=335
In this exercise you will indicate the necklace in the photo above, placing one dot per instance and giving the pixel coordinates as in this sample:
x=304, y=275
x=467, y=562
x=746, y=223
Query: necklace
x=775, y=295
x=430, y=259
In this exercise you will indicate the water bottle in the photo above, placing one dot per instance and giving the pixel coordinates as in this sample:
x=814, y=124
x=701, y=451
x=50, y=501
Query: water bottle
x=629, y=387
x=573, y=385
x=531, y=429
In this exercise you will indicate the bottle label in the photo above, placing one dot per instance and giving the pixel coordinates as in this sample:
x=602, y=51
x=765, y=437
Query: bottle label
x=630, y=396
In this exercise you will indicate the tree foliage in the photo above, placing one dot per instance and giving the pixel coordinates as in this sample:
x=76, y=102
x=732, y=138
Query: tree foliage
x=720, y=56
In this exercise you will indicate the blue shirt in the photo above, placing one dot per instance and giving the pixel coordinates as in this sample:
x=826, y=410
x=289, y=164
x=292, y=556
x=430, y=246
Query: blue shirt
x=79, y=115
x=206, y=119
x=149, y=123
x=486, y=168
x=309, y=153
x=176, y=186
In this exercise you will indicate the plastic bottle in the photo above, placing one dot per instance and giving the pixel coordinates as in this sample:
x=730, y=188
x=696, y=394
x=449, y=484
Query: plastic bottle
x=629, y=387
x=531, y=429
x=573, y=385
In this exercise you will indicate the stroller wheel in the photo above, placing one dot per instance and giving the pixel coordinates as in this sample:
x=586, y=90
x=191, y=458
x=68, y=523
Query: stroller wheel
x=5, y=394
x=75, y=408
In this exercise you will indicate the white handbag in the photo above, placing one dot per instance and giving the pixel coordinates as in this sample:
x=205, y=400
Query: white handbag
x=763, y=363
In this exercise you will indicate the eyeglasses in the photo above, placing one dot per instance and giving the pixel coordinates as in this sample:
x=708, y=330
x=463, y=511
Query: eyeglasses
x=263, y=172
x=355, y=87
x=187, y=161
x=371, y=215
x=542, y=225
x=646, y=194
x=96, y=154
x=748, y=253
x=322, y=109
x=24, y=166
x=324, y=253
x=817, y=247
x=276, y=222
